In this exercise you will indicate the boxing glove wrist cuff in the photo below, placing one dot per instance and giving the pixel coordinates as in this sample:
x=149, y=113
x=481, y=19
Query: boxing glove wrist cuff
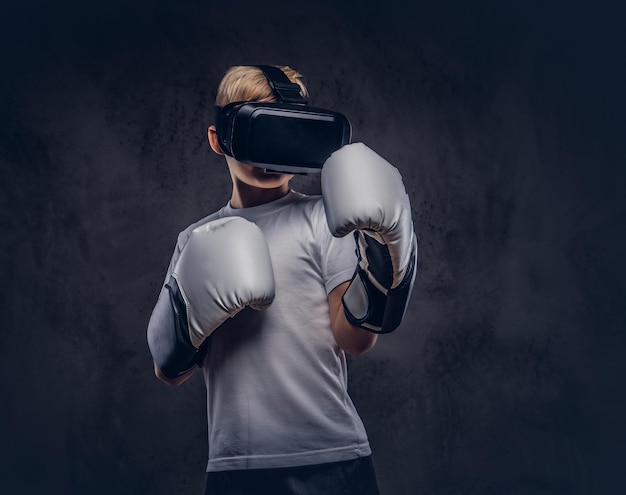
x=183, y=355
x=374, y=309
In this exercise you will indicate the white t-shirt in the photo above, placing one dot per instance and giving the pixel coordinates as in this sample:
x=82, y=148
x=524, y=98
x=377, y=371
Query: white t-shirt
x=276, y=379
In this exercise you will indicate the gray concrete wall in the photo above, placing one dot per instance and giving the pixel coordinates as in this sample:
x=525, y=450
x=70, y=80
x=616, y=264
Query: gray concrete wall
x=506, y=120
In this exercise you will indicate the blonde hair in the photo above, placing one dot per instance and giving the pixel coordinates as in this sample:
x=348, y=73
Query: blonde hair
x=248, y=83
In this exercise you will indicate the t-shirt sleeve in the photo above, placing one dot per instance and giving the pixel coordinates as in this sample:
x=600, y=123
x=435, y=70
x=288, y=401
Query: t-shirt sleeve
x=338, y=254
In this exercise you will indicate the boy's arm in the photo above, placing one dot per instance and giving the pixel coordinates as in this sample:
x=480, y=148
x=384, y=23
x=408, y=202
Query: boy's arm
x=175, y=382
x=352, y=339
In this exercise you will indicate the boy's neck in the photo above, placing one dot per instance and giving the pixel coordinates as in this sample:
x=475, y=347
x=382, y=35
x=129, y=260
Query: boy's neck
x=246, y=196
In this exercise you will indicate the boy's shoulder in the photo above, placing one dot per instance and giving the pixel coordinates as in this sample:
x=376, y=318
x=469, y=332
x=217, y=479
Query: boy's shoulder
x=184, y=235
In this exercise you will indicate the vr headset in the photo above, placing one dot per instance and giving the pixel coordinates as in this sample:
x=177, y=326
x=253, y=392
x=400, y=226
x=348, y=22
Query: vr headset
x=285, y=137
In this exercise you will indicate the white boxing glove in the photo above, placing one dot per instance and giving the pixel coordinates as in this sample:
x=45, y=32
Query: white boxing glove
x=362, y=192
x=224, y=267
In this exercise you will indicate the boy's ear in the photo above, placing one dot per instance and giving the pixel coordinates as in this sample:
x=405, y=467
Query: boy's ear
x=212, y=135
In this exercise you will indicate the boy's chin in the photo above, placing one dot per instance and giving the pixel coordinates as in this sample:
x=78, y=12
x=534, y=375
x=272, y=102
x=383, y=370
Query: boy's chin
x=259, y=176
x=268, y=175
x=270, y=181
x=272, y=172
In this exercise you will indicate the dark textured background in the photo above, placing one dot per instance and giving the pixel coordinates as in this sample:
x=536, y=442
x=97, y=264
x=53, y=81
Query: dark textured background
x=506, y=120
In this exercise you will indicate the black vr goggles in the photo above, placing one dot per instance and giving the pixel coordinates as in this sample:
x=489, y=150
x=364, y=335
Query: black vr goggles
x=288, y=136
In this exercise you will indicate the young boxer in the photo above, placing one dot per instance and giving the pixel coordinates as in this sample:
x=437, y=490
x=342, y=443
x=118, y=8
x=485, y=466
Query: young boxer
x=267, y=295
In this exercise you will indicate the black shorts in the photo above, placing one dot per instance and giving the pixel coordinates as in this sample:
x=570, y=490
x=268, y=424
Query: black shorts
x=336, y=478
